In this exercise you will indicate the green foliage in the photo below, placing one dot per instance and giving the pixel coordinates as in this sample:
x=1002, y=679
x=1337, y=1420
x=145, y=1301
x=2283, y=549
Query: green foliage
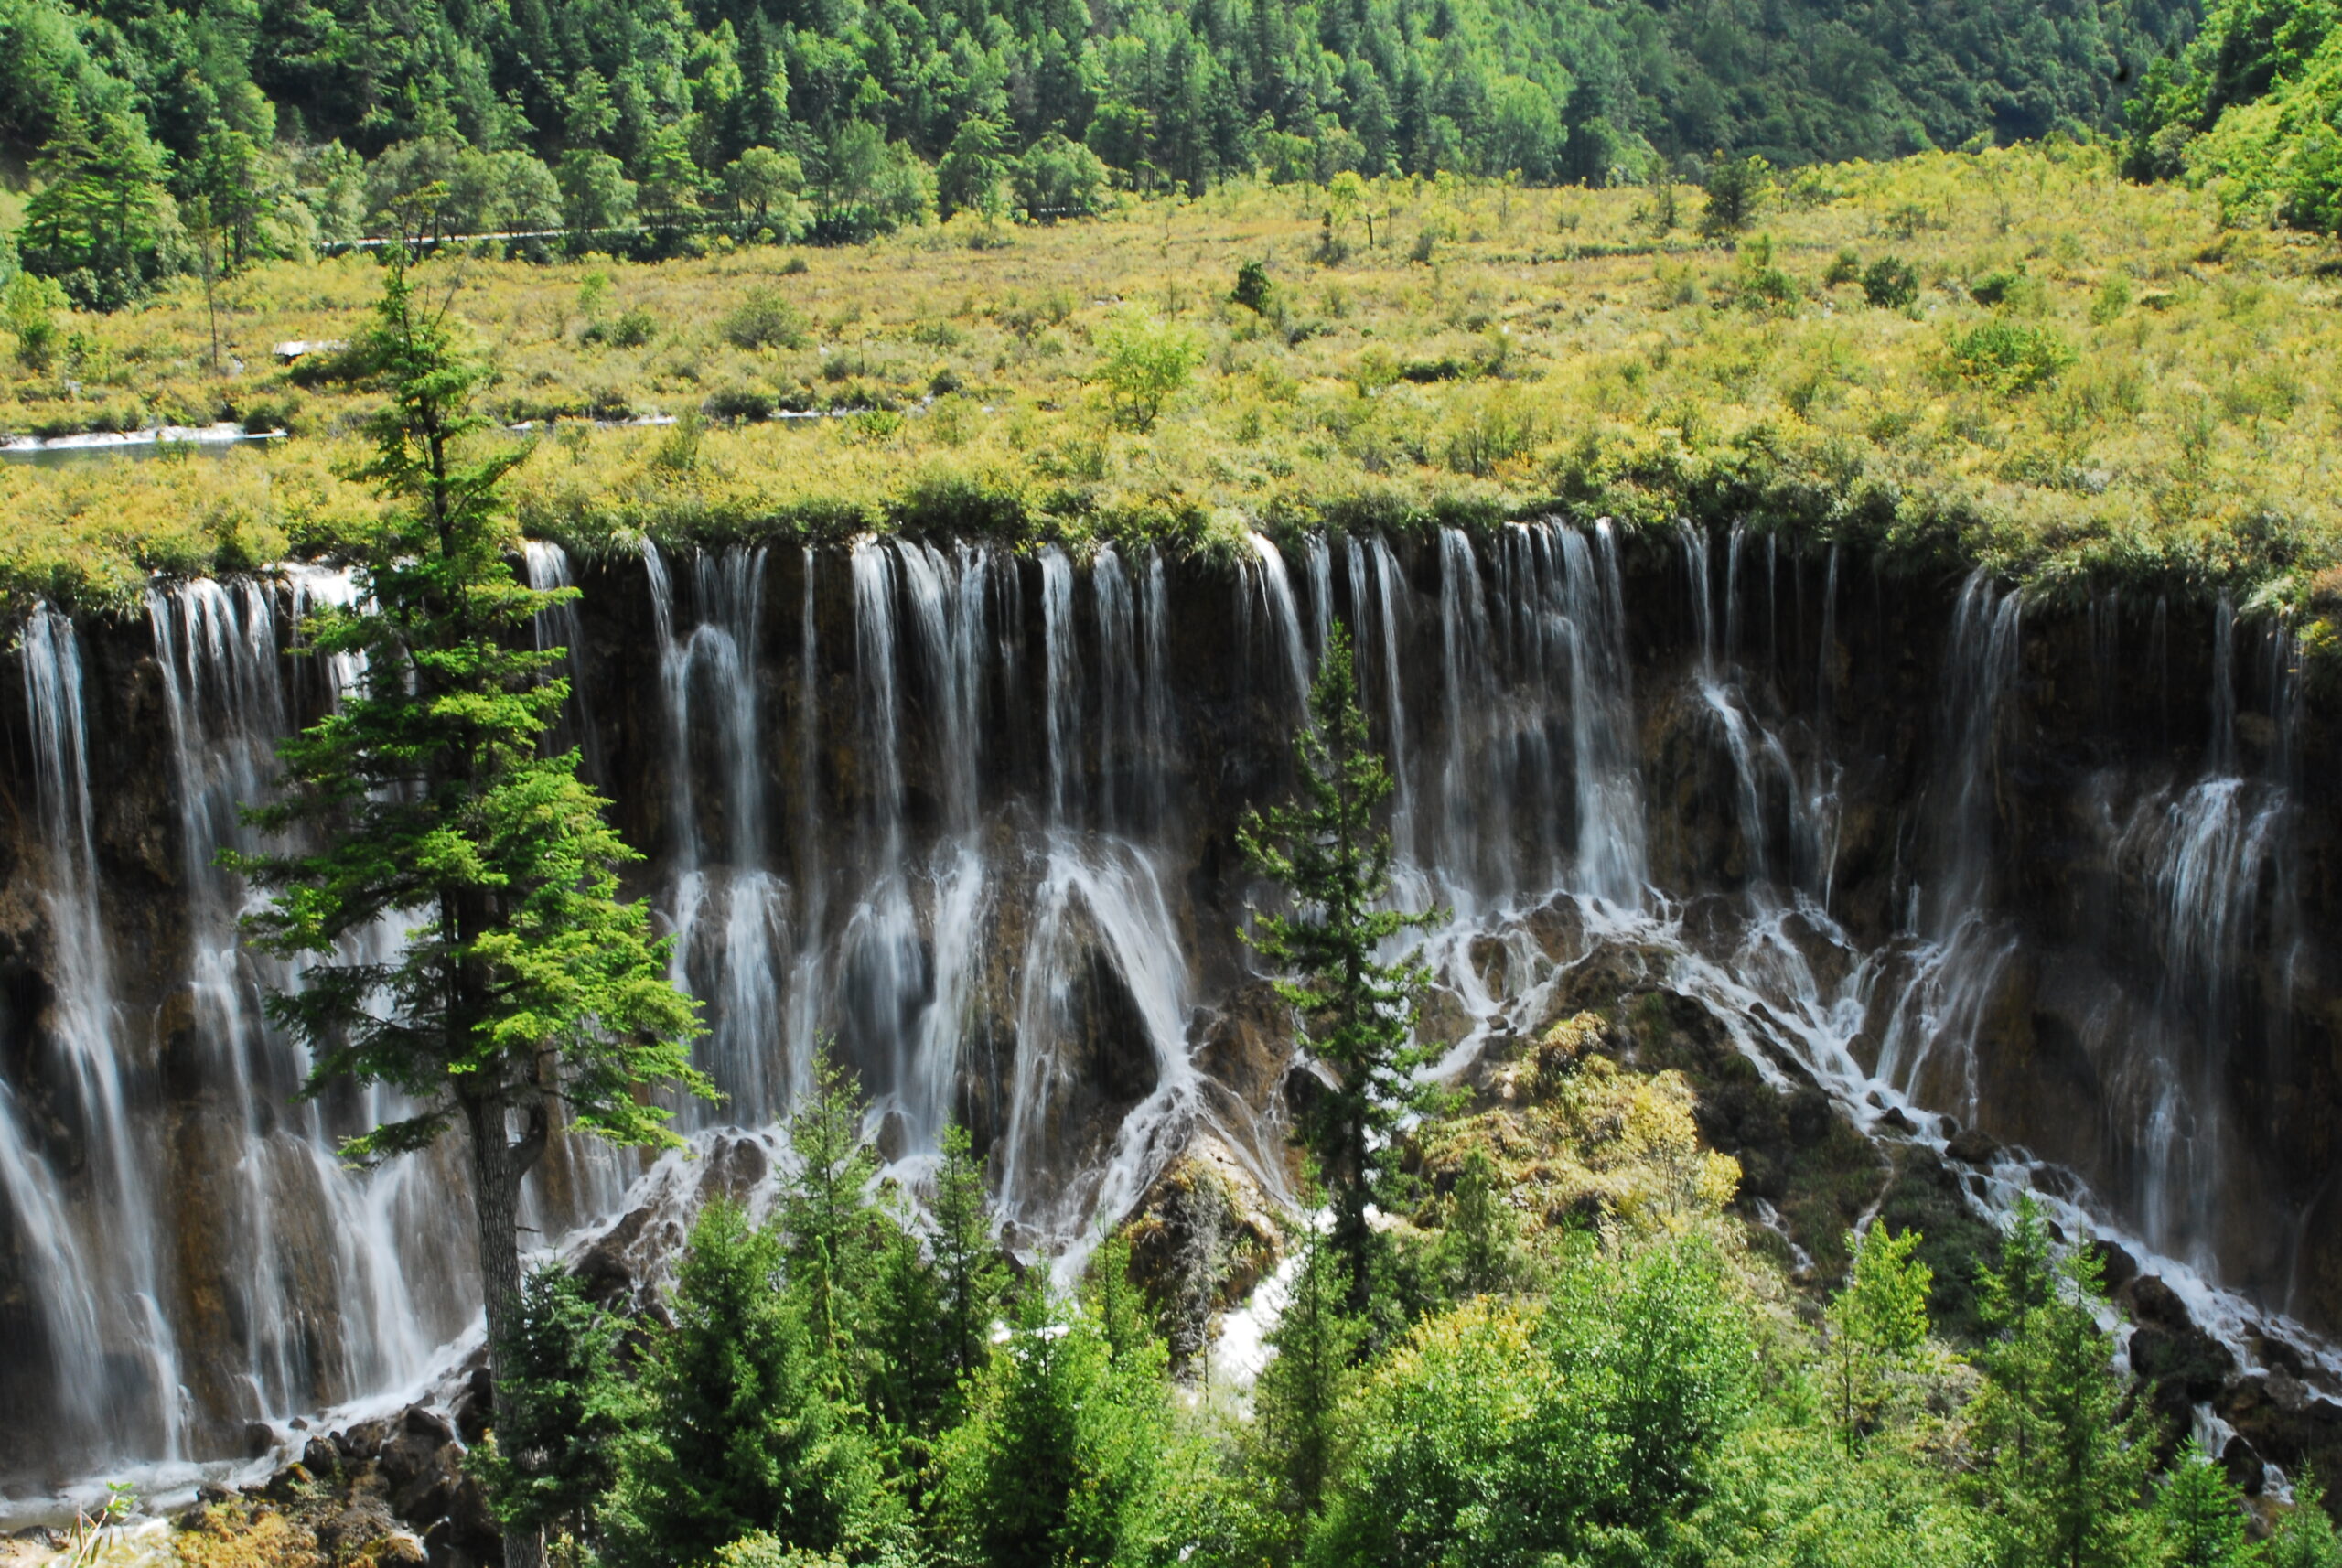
x=2010, y=356
x=1357, y=1012
x=2062, y=1455
x=1662, y=1340
x=1056, y=179
x=1878, y=1323
x=2305, y=1537
x=595, y=195
x=740, y=1435
x=969, y=173
x=1469, y=1445
x=100, y=223
x=932, y=1309
x=1298, y=1398
x=28, y=308
x=1478, y=1251
x=667, y=106
x=561, y=1412
x=2199, y=1515
x=766, y=320
x=1143, y=363
x=1501, y=1433
x=1069, y=1436
x=833, y=1233
x=1736, y=187
x=1891, y=284
x=1253, y=288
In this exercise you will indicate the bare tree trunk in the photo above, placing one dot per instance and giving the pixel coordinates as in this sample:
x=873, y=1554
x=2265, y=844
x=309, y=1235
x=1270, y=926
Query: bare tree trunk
x=498, y=1165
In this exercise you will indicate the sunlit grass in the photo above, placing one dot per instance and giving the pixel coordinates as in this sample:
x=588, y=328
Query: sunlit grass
x=2094, y=381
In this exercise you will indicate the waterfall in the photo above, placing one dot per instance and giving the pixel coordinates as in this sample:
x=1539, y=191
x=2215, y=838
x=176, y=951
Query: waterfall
x=727, y=908
x=220, y=649
x=547, y=569
x=972, y=848
x=2212, y=860
x=948, y=608
x=1275, y=588
x=85, y=1030
x=1611, y=858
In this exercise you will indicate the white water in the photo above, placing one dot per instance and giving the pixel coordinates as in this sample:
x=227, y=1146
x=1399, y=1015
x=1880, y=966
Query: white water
x=954, y=839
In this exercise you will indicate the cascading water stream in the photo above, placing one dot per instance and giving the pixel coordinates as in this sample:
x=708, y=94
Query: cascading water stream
x=120, y=1269
x=729, y=910
x=993, y=904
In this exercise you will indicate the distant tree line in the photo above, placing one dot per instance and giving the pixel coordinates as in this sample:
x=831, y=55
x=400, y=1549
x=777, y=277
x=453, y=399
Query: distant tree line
x=165, y=131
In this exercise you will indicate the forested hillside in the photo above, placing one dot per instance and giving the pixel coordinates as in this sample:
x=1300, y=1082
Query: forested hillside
x=2254, y=111
x=275, y=124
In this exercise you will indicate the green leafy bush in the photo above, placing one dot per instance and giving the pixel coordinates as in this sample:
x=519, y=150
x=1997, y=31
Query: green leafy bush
x=1890, y=284
x=2011, y=356
x=1143, y=363
x=765, y=320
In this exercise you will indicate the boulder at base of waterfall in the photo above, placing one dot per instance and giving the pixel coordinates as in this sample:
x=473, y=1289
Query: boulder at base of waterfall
x=474, y=1408
x=2287, y=1422
x=1203, y=1236
x=423, y=1464
x=1971, y=1146
x=2184, y=1364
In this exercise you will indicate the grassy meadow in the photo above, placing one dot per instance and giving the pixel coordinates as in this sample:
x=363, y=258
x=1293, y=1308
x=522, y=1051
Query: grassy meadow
x=2016, y=358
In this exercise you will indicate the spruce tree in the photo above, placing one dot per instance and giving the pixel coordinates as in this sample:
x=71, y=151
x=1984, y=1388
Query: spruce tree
x=1478, y=1251
x=934, y=1301
x=561, y=1412
x=740, y=1433
x=1876, y=1323
x=972, y=1278
x=522, y=983
x=834, y=1234
x=2063, y=1458
x=2304, y=1537
x=1357, y=1011
x=2200, y=1515
x=1297, y=1399
x=1058, y=1464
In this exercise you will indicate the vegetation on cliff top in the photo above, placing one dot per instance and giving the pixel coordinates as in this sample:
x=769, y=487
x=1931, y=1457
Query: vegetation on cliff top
x=2017, y=358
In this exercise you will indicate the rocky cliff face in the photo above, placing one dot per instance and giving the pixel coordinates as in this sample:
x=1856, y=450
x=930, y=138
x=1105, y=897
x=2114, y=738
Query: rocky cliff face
x=2062, y=874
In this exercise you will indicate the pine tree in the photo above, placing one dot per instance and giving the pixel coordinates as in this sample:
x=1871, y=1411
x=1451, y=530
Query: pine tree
x=740, y=1435
x=1297, y=1398
x=2063, y=1458
x=1357, y=1011
x=1478, y=1251
x=2305, y=1537
x=562, y=1411
x=972, y=1277
x=833, y=1231
x=523, y=982
x=2200, y=1515
x=1057, y=1465
x=1878, y=1321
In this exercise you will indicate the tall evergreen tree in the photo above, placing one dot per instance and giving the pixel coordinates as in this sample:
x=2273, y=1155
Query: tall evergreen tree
x=1357, y=1010
x=834, y=1234
x=523, y=984
x=741, y=1435
x=2063, y=1456
x=561, y=1412
x=1298, y=1397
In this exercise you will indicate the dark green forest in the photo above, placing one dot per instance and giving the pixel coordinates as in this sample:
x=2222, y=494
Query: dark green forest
x=279, y=123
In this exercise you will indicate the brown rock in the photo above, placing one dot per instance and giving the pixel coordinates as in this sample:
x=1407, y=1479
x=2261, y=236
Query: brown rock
x=1970, y=1147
